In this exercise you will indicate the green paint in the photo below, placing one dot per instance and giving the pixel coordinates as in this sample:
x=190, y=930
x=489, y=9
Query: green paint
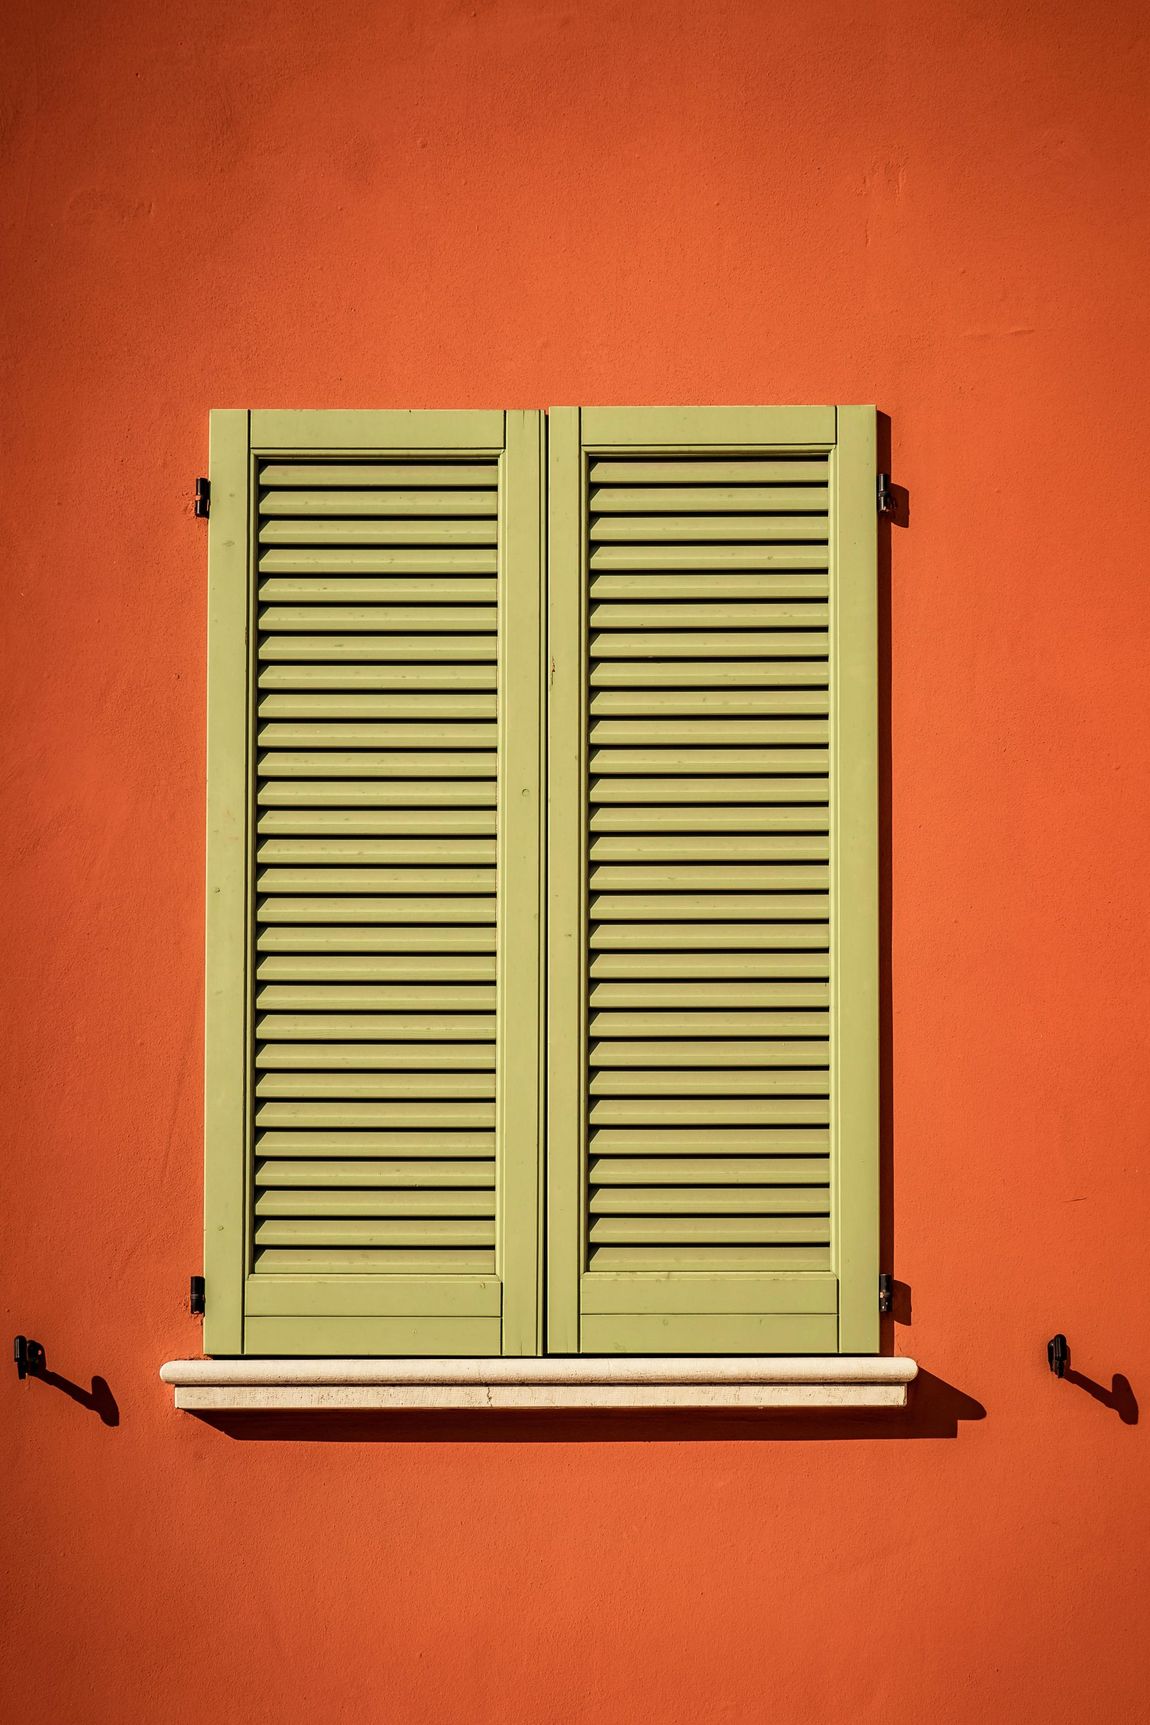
x=735, y=1179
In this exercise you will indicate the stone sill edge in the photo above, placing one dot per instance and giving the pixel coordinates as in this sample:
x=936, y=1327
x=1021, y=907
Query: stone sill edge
x=415, y=1385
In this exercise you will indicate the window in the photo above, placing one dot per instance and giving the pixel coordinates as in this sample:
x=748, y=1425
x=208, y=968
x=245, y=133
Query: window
x=542, y=883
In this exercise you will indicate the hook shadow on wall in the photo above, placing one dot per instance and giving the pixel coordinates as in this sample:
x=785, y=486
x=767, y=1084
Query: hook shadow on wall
x=31, y=1362
x=1119, y=1397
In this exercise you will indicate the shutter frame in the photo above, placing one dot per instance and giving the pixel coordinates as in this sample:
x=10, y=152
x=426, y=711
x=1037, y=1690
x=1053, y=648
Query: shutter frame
x=673, y=1310
x=567, y=605
x=809, y=1313
x=430, y=1313
x=855, y=880
x=519, y=1131
x=226, y=959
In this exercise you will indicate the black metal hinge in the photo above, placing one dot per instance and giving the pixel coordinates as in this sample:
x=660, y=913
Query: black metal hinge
x=29, y=1357
x=1058, y=1355
x=884, y=495
x=197, y=1296
x=203, y=503
x=885, y=1292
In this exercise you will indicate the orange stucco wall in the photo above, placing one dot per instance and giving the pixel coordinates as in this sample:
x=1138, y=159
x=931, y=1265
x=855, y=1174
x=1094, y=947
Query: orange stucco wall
x=942, y=208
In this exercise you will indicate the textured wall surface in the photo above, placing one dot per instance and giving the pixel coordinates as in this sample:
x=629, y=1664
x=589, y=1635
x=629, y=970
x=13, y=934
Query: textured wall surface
x=938, y=207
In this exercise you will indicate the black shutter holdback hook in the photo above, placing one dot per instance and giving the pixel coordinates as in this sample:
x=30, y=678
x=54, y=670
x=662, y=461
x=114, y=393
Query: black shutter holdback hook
x=29, y=1357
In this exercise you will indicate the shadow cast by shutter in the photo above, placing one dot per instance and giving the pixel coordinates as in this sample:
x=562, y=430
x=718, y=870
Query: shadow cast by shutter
x=935, y=1410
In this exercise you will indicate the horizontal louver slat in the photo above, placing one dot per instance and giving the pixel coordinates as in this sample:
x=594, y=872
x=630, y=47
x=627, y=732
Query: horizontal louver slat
x=376, y=793
x=386, y=938
x=718, y=472
x=387, y=967
x=384, y=590
x=401, y=707
x=377, y=560
x=364, y=502
x=356, y=1085
x=731, y=584
x=678, y=530
x=377, y=1056
x=333, y=530
x=333, y=1176
x=707, y=502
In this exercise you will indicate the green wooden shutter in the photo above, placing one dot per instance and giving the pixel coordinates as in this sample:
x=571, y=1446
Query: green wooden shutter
x=374, y=880
x=713, y=1113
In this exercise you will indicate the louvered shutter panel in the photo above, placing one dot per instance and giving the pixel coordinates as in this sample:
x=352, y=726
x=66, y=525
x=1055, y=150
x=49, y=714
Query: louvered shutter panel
x=713, y=1119
x=373, y=1148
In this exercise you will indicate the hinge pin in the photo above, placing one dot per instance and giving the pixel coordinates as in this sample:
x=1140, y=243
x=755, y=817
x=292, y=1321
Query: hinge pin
x=203, y=503
x=884, y=495
x=885, y=1292
x=197, y=1296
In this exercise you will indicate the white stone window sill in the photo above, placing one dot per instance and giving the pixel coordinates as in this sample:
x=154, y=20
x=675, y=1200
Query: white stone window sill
x=267, y=1386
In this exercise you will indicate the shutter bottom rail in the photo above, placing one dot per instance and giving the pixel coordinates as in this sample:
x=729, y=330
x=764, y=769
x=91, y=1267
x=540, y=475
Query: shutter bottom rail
x=502, y=1385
